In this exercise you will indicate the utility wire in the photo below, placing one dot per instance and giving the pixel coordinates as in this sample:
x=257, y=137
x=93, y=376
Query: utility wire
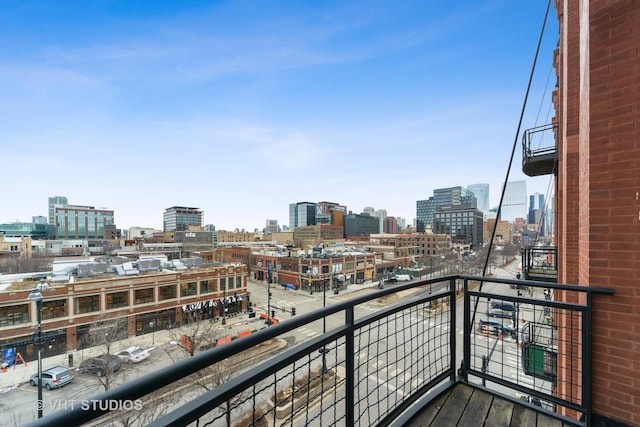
x=513, y=150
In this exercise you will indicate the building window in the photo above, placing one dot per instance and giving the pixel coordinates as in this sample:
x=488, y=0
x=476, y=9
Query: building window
x=206, y=287
x=53, y=309
x=238, y=281
x=117, y=299
x=168, y=292
x=144, y=296
x=187, y=289
x=14, y=315
x=87, y=304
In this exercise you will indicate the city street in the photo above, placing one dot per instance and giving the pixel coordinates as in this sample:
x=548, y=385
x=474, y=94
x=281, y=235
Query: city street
x=376, y=371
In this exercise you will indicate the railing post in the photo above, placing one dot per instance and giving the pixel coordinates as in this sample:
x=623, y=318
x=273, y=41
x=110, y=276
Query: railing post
x=586, y=359
x=466, y=331
x=350, y=368
x=453, y=283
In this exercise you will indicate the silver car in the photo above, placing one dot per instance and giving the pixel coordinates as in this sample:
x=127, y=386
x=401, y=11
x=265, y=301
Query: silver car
x=53, y=377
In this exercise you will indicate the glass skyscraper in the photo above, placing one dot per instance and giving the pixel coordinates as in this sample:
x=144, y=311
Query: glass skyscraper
x=514, y=203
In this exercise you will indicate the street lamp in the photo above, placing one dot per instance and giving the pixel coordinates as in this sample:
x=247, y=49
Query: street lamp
x=324, y=350
x=224, y=304
x=36, y=295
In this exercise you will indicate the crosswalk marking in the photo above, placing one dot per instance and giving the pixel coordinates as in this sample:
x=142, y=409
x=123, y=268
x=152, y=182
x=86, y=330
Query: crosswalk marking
x=308, y=332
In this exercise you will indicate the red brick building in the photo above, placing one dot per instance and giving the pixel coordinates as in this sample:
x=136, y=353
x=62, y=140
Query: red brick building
x=598, y=186
x=150, y=301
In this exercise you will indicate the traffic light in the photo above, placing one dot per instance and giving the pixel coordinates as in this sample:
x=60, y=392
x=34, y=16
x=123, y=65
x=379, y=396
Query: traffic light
x=293, y=311
x=273, y=313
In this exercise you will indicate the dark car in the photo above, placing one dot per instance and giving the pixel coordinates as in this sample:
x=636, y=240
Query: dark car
x=53, y=377
x=101, y=365
x=496, y=327
x=505, y=310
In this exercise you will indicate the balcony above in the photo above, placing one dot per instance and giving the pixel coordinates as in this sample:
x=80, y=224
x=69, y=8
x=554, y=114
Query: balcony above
x=540, y=263
x=539, y=151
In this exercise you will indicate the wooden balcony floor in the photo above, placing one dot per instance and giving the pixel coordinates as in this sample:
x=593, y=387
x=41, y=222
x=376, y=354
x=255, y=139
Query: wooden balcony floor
x=463, y=405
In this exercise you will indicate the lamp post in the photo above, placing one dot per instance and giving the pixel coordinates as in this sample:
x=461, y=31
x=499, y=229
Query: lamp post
x=324, y=350
x=36, y=295
x=268, y=302
x=224, y=304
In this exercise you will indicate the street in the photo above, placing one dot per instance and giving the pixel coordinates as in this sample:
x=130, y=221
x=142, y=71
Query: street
x=397, y=372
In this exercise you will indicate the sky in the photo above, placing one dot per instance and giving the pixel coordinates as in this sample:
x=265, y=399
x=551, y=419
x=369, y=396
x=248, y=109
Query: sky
x=240, y=108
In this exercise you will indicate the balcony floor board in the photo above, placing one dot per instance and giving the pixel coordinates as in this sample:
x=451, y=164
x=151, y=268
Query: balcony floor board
x=463, y=405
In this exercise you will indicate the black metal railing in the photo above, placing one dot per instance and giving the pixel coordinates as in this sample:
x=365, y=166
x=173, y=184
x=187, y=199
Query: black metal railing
x=392, y=347
x=540, y=263
x=539, y=150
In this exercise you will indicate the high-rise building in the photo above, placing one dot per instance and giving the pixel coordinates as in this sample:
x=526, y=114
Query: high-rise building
x=462, y=222
x=302, y=214
x=181, y=218
x=83, y=222
x=271, y=226
x=361, y=225
x=390, y=225
x=481, y=191
x=425, y=210
x=452, y=196
x=330, y=213
x=514, y=203
x=53, y=203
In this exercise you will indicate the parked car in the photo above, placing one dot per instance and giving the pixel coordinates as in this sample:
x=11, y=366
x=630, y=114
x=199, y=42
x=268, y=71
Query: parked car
x=496, y=327
x=53, y=377
x=133, y=354
x=505, y=310
x=391, y=280
x=101, y=365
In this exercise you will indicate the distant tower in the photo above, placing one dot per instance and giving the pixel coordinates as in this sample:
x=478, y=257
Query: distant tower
x=53, y=202
x=514, y=204
x=180, y=218
x=302, y=214
x=481, y=191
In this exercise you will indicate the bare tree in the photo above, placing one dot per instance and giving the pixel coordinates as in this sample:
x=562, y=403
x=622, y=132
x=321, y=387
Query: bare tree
x=198, y=333
x=30, y=264
x=142, y=411
x=103, y=336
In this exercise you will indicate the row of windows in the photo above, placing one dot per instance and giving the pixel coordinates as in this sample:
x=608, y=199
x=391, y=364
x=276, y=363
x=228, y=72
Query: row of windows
x=14, y=315
x=18, y=314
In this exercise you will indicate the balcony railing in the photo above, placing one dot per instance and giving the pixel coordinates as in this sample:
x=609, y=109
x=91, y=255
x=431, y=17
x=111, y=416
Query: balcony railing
x=540, y=263
x=391, y=350
x=539, y=150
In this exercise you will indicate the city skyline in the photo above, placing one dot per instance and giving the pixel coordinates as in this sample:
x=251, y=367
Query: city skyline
x=240, y=111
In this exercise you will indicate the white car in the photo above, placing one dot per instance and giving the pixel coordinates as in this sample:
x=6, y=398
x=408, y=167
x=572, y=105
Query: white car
x=133, y=354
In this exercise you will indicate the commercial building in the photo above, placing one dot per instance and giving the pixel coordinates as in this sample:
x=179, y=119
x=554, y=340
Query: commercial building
x=181, y=218
x=361, y=225
x=302, y=214
x=83, y=222
x=452, y=196
x=54, y=202
x=462, y=222
x=148, y=301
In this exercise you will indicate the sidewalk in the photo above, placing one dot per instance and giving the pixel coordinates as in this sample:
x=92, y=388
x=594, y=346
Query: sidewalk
x=21, y=373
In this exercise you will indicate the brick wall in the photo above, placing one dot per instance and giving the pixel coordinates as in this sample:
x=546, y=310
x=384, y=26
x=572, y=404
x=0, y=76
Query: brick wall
x=598, y=187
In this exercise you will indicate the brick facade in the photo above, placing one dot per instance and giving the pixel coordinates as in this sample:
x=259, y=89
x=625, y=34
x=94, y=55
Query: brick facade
x=598, y=186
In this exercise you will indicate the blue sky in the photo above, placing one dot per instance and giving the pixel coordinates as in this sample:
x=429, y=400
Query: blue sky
x=240, y=108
